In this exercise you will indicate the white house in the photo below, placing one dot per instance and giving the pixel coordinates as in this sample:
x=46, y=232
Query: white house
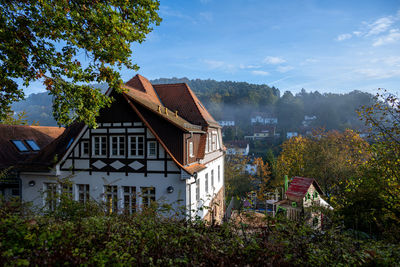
x=226, y=123
x=155, y=143
x=291, y=134
x=237, y=147
x=262, y=118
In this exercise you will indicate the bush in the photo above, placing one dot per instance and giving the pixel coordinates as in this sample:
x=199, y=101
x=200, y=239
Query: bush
x=149, y=239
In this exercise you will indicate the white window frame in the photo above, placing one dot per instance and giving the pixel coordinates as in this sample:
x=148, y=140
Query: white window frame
x=197, y=189
x=111, y=198
x=51, y=204
x=191, y=150
x=146, y=194
x=136, y=137
x=214, y=141
x=151, y=155
x=212, y=180
x=83, y=148
x=101, y=146
x=129, y=199
x=85, y=192
x=119, y=150
x=206, y=183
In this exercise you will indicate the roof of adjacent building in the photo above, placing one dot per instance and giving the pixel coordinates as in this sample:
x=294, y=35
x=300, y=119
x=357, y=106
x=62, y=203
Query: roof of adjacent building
x=41, y=135
x=299, y=186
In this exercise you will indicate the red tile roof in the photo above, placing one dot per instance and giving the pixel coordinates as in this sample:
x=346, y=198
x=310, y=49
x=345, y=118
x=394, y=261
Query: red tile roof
x=144, y=88
x=299, y=186
x=10, y=155
x=181, y=98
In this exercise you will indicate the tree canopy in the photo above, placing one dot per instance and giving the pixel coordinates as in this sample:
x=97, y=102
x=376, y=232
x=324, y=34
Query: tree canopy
x=45, y=41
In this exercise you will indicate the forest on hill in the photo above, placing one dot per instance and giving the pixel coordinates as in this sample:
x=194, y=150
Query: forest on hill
x=227, y=100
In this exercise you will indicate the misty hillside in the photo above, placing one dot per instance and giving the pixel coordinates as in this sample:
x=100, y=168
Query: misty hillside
x=228, y=100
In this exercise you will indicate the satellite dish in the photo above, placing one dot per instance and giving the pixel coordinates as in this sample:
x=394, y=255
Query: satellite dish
x=195, y=175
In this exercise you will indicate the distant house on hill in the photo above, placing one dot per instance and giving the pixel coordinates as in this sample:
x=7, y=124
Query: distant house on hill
x=262, y=132
x=263, y=118
x=237, y=147
x=308, y=120
x=303, y=193
x=291, y=134
x=155, y=143
x=227, y=123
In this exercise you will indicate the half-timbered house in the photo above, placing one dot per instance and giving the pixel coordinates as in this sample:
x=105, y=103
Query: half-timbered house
x=155, y=143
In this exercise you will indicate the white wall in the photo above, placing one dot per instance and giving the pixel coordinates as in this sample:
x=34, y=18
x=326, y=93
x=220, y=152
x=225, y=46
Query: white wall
x=205, y=198
x=98, y=180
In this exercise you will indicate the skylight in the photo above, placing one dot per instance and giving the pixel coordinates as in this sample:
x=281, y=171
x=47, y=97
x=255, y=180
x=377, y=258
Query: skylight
x=70, y=142
x=20, y=145
x=33, y=145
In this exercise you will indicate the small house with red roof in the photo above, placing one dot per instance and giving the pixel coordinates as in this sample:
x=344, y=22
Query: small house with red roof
x=155, y=143
x=303, y=193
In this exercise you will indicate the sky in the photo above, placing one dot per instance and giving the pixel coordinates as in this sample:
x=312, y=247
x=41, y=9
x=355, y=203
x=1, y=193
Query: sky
x=329, y=46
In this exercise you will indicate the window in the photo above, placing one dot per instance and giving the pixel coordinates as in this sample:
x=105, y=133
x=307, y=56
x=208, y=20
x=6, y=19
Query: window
x=51, y=197
x=152, y=149
x=100, y=145
x=20, y=145
x=315, y=195
x=67, y=191
x=83, y=193
x=212, y=179
x=118, y=146
x=209, y=142
x=214, y=142
x=197, y=189
x=136, y=146
x=206, y=183
x=129, y=199
x=191, y=149
x=85, y=148
x=33, y=145
x=148, y=195
x=111, y=195
x=219, y=174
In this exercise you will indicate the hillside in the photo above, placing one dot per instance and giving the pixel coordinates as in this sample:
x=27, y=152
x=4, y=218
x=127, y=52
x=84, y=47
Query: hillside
x=238, y=100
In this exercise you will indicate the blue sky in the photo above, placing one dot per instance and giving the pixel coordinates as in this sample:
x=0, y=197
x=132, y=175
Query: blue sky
x=329, y=46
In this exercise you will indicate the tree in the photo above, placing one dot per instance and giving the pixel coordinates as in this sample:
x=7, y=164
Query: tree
x=329, y=157
x=382, y=172
x=237, y=181
x=45, y=40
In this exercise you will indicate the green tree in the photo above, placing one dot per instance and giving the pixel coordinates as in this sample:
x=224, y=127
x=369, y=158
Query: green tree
x=43, y=40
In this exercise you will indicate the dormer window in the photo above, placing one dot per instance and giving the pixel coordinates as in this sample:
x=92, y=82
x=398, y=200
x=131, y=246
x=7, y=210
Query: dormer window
x=33, y=145
x=20, y=145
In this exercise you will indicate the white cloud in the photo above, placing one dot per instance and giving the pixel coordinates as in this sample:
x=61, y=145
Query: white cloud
x=343, y=37
x=221, y=65
x=357, y=33
x=274, y=60
x=207, y=16
x=379, y=73
x=284, y=69
x=260, y=72
x=392, y=37
x=243, y=67
x=380, y=25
